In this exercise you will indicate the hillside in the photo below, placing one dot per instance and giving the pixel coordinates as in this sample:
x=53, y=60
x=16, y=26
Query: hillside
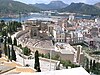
x=42, y=6
x=81, y=8
x=10, y=6
x=53, y=5
x=97, y=5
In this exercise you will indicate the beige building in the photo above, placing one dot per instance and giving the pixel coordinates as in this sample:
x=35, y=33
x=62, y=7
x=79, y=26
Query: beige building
x=65, y=51
x=38, y=29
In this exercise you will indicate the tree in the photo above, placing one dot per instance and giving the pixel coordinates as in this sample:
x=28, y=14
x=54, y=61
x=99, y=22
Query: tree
x=38, y=69
x=53, y=42
x=42, y=55
x=20, y=46
x=87, y=65
x=26, y=51
x=8, y=52
x=96, y=70
x=5, y=47
x=91, y=65
x=19, y=25
x=94, y=65
x=9, y=29
x=15, y=42
x=4, y=32
x=2, y=22
x=1, y=41
x=56, y=57
x=13, y=54
x=12, y=27
x=47, y=55
x=9, y=40
x=37, y=64
x=0, y=53
x=2, y=25
x=97, y=66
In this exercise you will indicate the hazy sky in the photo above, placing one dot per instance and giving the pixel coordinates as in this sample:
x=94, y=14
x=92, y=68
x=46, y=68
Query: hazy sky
x=66, y=1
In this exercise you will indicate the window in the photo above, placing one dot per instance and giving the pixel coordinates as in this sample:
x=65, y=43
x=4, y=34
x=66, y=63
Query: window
x=35, y=34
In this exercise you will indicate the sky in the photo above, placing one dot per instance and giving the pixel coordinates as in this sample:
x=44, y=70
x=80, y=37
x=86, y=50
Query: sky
x=65, y=1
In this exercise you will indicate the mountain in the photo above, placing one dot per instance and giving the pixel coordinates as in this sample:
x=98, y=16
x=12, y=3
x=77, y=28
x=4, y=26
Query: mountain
x=41, y=6
x=97, y=4
x=53, y=5
x=81, y=8
x=10, y=6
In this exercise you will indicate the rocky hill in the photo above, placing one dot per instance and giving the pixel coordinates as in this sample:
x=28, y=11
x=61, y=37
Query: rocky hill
x=10, y=6
x=53, y=5
x=81, y=8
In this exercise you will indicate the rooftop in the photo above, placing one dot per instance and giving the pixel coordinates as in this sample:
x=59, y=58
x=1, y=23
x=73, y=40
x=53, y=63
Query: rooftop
x=73, y=71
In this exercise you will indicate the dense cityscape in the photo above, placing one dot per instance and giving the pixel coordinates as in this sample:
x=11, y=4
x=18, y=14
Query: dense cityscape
x=49, y=39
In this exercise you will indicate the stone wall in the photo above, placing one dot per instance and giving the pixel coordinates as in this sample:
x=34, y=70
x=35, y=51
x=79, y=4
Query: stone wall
x=21, y=33
x=53, y=53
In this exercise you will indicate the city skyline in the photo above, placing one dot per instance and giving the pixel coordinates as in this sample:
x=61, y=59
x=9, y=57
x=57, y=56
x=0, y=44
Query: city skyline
x=67, y=2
